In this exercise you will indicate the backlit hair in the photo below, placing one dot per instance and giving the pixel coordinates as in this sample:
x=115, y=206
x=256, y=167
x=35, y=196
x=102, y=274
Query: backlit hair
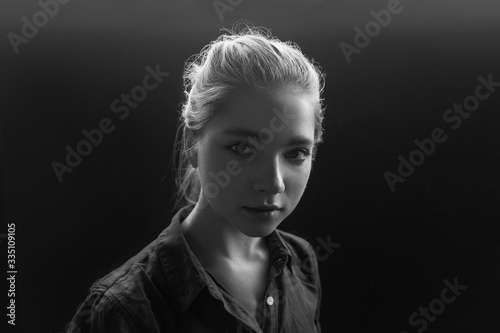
x=250, y=58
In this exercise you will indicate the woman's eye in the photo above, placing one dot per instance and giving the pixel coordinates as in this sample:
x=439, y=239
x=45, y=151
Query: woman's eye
x=299, y=155
x=241, y=148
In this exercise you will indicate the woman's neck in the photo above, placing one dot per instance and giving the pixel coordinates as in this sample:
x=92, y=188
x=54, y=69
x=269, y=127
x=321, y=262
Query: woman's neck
x=212, y=238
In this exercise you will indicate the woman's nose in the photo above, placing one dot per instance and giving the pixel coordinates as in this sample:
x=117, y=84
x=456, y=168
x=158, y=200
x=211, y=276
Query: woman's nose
x=270, y=178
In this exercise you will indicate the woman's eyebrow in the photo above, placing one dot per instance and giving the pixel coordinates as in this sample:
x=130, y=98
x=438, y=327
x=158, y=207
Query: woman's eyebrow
x=300, y=141
x=246, y=132
x=240, y=131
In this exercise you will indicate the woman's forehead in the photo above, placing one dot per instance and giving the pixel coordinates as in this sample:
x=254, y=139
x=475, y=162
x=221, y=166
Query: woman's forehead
x=282, y=119
x=253, y=108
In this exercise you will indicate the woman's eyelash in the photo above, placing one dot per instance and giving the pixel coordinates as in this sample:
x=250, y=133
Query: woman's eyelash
x=235, y=146
x=235, y=149
x=303, y=151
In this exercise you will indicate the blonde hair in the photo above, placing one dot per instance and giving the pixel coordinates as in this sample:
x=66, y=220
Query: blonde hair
x=251, y=58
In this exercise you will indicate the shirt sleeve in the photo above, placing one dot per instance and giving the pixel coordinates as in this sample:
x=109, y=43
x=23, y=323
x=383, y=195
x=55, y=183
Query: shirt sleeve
x=98, y=314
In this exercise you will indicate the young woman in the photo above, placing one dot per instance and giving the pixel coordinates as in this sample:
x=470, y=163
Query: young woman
x=251, y=123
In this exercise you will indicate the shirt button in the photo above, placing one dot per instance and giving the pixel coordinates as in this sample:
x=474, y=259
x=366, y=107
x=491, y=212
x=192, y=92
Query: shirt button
x=270, y=300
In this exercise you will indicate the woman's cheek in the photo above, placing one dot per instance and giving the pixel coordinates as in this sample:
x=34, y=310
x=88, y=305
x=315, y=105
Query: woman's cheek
x=299, y=183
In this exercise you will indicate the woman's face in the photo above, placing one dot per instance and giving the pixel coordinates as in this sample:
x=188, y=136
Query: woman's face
x=254, y=158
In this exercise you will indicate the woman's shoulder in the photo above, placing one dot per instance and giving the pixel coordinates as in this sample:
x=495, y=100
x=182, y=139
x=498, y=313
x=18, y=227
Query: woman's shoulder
x=122, y=295
x=142, y=287
x=129, y=274
x=139, y=272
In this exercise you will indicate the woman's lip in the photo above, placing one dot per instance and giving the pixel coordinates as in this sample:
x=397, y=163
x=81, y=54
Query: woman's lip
x=261, y=213
x=265, y=209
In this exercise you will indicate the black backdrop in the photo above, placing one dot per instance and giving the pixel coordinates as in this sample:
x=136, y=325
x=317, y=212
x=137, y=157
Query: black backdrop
x=396, y=248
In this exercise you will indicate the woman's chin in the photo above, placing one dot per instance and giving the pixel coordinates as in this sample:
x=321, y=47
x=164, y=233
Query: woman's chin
x=253, y=229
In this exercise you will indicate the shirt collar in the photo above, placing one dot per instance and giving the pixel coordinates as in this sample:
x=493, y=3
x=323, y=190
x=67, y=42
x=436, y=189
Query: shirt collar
x=184, y=272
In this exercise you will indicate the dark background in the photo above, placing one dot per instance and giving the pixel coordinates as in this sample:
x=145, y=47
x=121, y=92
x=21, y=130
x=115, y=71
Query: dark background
x=396, y=248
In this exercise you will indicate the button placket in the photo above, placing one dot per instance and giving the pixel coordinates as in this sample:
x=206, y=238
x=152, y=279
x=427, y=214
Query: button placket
x=270, y=310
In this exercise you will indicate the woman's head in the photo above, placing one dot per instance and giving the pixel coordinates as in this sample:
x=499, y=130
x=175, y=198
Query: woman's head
x=247, y=80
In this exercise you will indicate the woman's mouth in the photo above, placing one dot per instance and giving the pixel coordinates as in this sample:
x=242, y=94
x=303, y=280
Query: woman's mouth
x=263, y=212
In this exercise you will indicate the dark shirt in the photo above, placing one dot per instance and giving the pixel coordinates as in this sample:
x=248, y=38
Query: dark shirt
x=164, y=288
